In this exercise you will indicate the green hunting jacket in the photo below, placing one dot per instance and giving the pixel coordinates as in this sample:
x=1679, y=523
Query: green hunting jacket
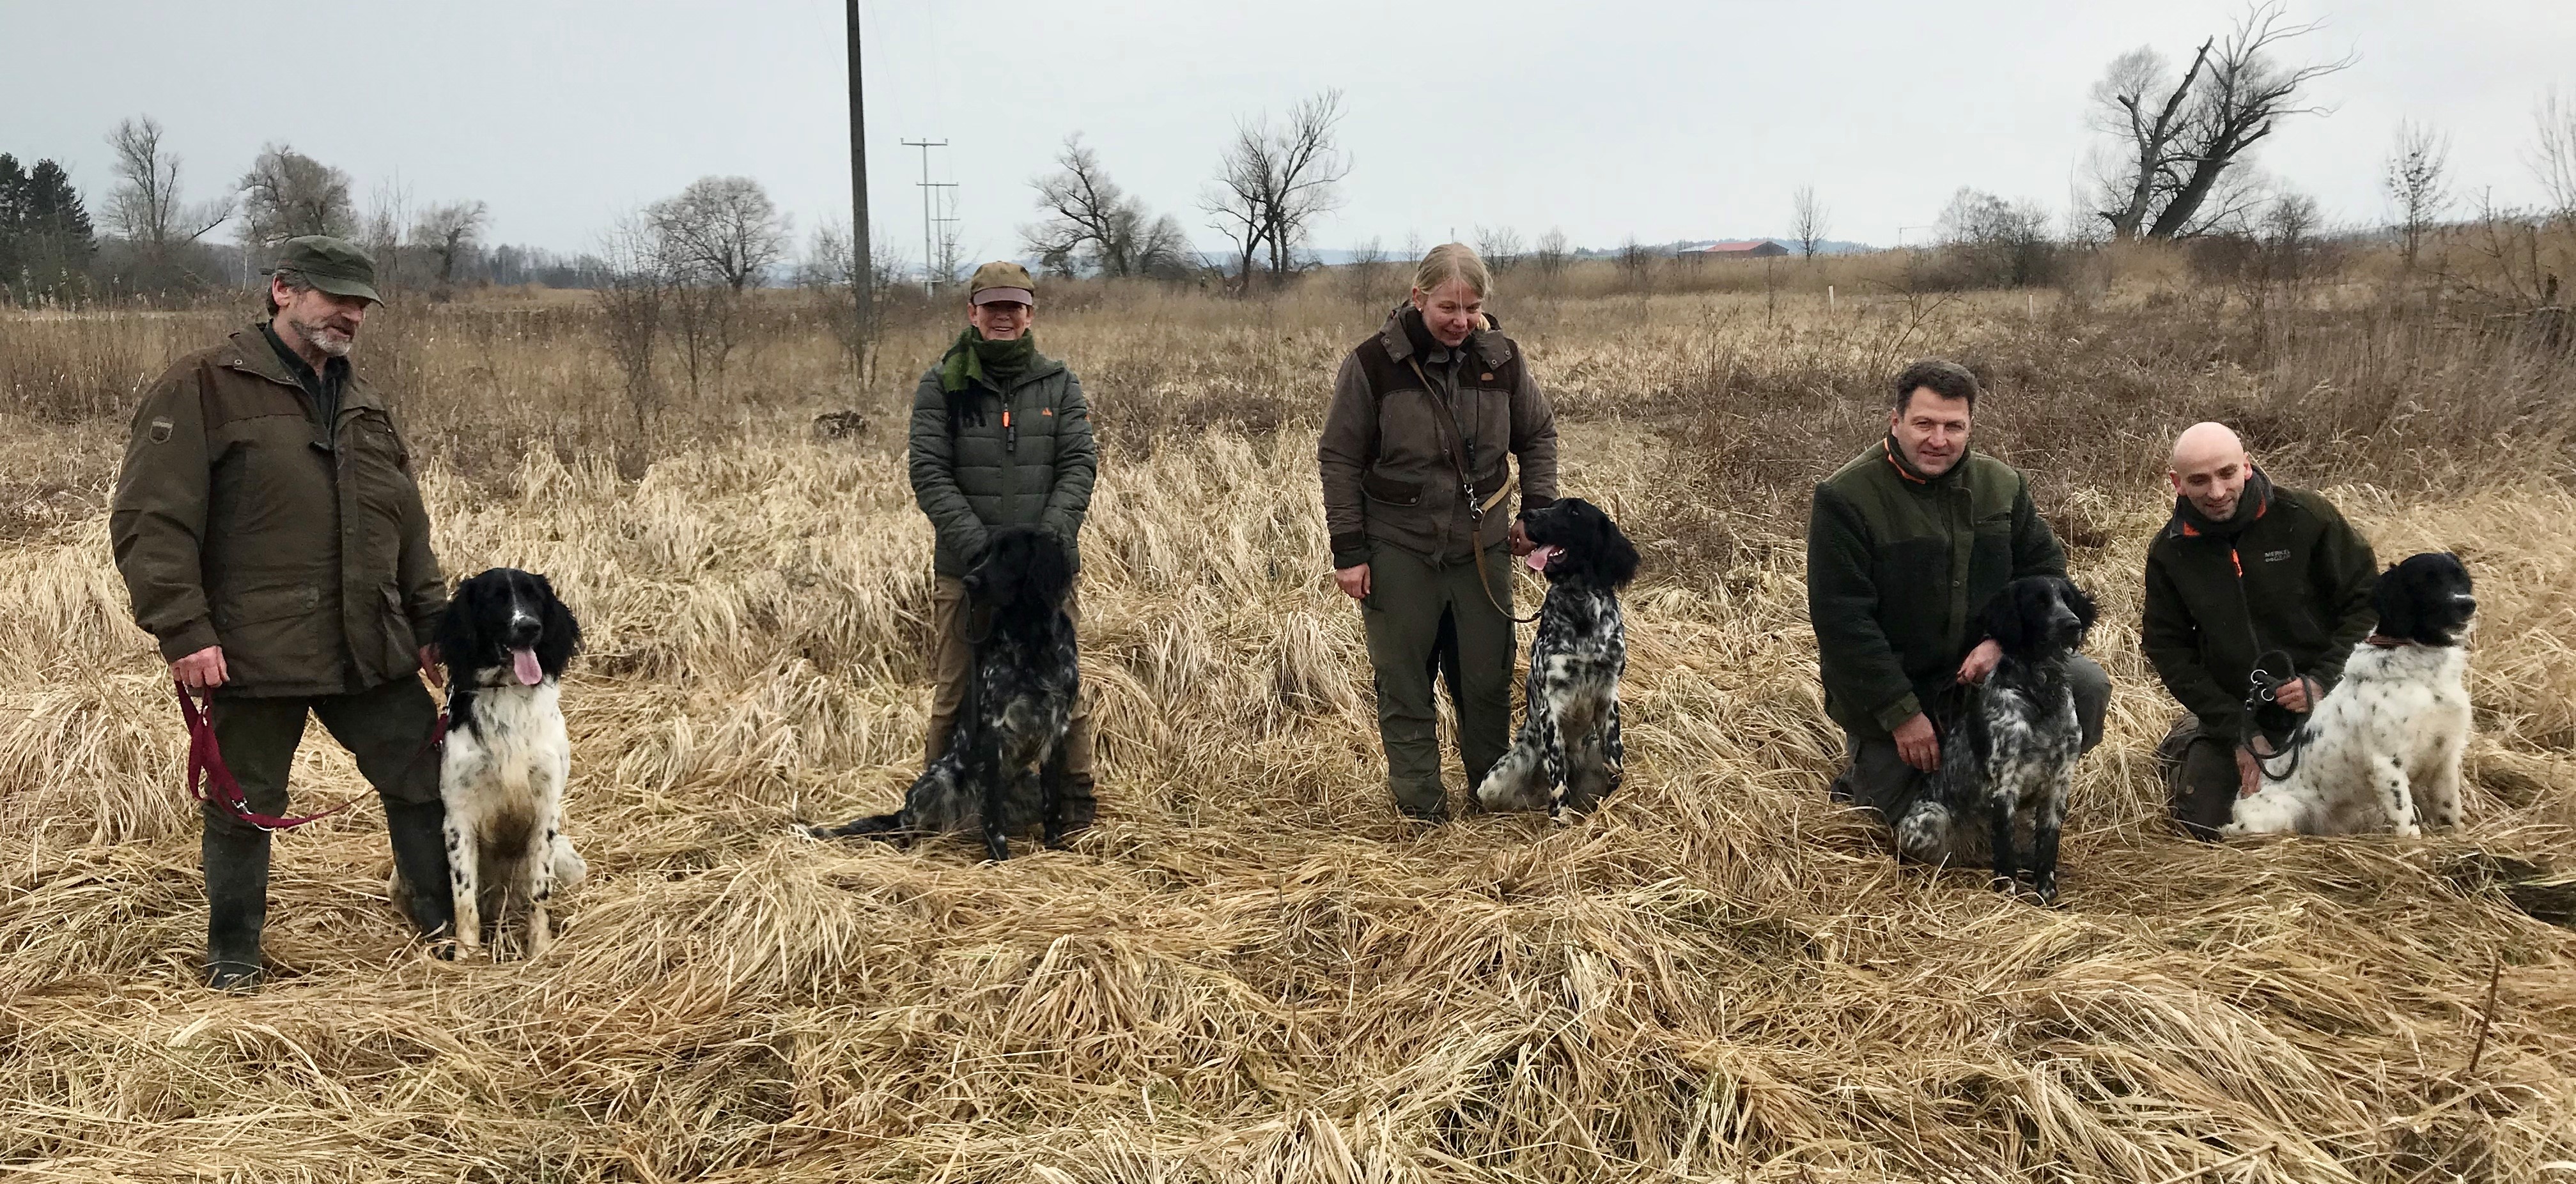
x=2304, y=589
x=240, y=520
x=1033, y=466
x=1898, y=563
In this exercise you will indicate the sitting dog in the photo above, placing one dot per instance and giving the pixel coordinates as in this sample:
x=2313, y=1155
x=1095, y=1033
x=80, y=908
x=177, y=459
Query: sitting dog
x=2382, y=750
x=2008, y=755
x=1004, y=767
x=1568, y=754
x=505, y=642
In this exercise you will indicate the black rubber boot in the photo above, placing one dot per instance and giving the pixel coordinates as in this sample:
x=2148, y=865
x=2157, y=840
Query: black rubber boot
x=236, y=863
x=419, y=835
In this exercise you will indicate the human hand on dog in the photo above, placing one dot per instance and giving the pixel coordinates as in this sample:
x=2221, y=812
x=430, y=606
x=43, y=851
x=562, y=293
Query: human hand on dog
x=1354, y=580
x=1980, y=662
x=430, y=666
x=1521, y=544
x=1918, y=744
x=201, y=671
x=2249, y=773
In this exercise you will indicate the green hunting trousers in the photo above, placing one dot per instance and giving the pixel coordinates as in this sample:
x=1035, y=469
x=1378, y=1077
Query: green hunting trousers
x=1423, y=616
x=386, y=728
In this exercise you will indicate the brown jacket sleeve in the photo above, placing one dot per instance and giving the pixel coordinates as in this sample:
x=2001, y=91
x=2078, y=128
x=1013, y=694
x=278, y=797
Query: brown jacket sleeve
x=158, y=518
x=1534, y=441
x=424, y=587
x=1342, y=454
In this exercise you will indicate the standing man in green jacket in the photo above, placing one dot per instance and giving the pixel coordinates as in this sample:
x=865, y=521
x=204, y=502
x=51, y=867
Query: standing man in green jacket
x=1000, y=437
x=2250, y=587
x=273, y=541
x=1904, y=545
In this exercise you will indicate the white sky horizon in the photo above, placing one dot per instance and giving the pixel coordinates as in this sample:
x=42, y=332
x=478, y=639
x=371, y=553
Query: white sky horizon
x=1608, y=120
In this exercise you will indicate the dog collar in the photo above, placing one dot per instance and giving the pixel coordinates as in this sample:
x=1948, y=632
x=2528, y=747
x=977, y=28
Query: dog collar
x=2385, y=642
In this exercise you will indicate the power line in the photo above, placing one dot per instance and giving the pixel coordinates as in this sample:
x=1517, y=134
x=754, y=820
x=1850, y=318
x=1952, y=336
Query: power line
x=930, y=221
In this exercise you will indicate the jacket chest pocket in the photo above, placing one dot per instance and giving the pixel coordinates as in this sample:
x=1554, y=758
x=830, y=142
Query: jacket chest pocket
x=379, y=462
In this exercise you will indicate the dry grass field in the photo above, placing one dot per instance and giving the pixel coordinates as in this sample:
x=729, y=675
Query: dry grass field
x=1249, y=971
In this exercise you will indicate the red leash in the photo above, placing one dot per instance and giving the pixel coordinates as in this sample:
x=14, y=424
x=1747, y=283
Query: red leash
x=208, y=780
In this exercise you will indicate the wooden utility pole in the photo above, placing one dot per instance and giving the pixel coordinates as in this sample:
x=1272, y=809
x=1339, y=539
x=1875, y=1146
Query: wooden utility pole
x=863, y=277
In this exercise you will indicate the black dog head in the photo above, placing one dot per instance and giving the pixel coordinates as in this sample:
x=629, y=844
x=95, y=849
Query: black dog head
x=508, y=621
x=2425, y=599
x=1023, y=568
x=2036, y=616
x=1576, y=541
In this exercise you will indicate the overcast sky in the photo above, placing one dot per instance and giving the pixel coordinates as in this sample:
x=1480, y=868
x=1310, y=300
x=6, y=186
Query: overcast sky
x=1663, y=120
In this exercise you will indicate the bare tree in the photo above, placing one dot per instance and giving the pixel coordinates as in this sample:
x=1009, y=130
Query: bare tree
x=2178, y=141
x=1367, y=273
x=634, y=289
x=1637, y=261
x=1553, y=252
x=1095, y=224
x=286, y=194
x=722, y=227
x=380, y=230
x=448, y=231
x=2553, y=159
x=146, y=207
x=2417, y=185
x=830, y=270
x=1807, y=217
x=948, y=263
x=1272, y=184
x=1500, y=247
x=1992, y=243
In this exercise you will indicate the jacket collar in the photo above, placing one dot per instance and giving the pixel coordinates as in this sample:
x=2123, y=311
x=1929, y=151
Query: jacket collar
x=1912, y=476
x=1489, y=342
x=250, y=353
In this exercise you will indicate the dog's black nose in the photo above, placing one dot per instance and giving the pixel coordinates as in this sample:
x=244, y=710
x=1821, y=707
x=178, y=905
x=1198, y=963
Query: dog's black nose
x=524, y=632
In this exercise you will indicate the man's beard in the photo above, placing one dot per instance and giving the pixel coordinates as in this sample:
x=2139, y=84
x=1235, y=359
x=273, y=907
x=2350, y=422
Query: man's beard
x=335, y=344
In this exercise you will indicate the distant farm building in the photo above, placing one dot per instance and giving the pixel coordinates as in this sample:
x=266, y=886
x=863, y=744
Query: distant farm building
x=1758, y=248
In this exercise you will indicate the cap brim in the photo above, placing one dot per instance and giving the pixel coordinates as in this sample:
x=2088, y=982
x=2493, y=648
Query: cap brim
x=1000, y=295
x=341, y=287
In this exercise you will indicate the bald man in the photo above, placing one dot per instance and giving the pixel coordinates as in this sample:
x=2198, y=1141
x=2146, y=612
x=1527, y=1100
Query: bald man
x=2249, y=582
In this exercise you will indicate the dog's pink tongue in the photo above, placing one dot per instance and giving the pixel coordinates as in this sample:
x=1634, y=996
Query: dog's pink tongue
x=1538, y=557
x=524, y=664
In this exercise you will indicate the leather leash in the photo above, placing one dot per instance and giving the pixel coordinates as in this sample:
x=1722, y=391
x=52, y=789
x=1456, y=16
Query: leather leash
x=210, y=780
x=1455, y=442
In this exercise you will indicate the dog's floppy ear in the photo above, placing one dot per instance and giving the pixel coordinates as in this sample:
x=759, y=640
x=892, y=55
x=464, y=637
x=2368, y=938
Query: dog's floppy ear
x=2005, y=619
x=460, y=640
x=2078, y=600
x=1049, y=574
x=561, y=638
x=1614, y=554
x=2395, y=600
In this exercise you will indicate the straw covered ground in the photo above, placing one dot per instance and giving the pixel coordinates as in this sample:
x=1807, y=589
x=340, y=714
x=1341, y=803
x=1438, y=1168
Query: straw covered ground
x=1249, y=971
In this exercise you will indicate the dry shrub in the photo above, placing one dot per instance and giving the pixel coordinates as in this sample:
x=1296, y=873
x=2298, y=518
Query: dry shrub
x=1248, y=971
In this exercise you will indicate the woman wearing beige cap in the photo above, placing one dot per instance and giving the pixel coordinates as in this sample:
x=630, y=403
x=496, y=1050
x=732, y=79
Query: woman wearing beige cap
x=1000, y=437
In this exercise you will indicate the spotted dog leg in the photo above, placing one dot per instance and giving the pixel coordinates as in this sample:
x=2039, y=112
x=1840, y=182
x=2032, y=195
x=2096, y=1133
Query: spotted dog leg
x=1923, y=834
x=2003, y=795
x=984, y=771
x=2044, y=833
x=1552, y=750
x=1509, y=785
x=2439, y=796
x=1051, y=776
x=2394, y=797
x=1614, y=753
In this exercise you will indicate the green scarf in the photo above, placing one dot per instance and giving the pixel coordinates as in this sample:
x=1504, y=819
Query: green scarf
x=993, y=363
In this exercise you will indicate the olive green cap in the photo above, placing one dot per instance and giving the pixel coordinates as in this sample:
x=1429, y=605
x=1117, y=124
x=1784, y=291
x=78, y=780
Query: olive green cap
x=333, y=265
x=1002, y=279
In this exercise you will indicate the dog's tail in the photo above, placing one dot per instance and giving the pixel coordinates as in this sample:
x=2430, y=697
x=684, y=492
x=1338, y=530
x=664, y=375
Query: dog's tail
x=882, y=827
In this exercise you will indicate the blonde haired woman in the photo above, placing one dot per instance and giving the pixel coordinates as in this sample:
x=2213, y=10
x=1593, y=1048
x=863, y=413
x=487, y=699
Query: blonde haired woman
x=1414, y=456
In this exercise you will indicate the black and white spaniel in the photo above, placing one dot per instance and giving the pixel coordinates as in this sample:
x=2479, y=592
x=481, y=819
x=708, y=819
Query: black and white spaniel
x=1568, y=754
x=505, y=642
x=1004, y=767
x=2008, y=755
x=2381, y=751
